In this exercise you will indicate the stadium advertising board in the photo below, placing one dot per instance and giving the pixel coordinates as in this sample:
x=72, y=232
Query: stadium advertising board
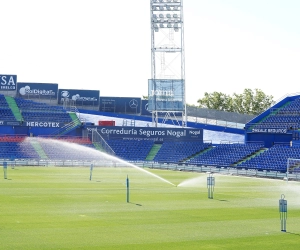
x=8, y=82
x=149, y=133
x=146, y=112
x=9, y=123
x=144, y=108
x=166, y=95
x=124, y=105
x=39, y=124
x=79, y=96
x=270, y=130
x=37, y=90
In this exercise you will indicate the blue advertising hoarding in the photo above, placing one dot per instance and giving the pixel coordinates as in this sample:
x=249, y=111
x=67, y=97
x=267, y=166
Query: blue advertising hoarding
x=37, y=90
x=124, y=105
x=166, y=95
x=144, y=108
x=8, y=82
x=40, y=124
x=150, y=133
x=79, y=96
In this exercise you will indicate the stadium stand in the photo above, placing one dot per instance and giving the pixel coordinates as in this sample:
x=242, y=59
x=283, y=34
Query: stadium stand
x=285, y=117
x=35, y=111
x=178, y=152
x=250, y=155
x=226, y=155
x=16, y=147
x=131, y=150
x=6, y=113
x=273, y=159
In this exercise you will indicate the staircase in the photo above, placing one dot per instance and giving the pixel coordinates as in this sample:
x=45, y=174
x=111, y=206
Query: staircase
x=75, y=123
x=153, y=152
x=14, y=108
x=195, y=155
x=251, y=156
x=38, y=148
x=98, y=146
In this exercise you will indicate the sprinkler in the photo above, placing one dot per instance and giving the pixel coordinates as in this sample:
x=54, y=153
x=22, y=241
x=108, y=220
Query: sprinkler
x=210, y=185
x=127, y=187
x=5, y=169
x=283, y=212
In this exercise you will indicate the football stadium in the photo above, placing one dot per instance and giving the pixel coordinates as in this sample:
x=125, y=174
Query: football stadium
x=86, y=171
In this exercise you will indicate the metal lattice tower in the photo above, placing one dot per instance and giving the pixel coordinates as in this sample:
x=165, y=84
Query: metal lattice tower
x=168, y=59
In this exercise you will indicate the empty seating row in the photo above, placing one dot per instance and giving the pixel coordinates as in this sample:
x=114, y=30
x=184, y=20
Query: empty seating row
x=131, y=150
x=177, y=152
x=275, y=158
x=226, y=155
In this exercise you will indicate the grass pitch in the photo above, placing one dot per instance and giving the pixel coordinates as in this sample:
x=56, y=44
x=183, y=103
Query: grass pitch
x=61, y=208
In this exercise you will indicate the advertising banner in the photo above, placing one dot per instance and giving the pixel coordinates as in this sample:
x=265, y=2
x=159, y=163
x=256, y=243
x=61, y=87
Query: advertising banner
x=270, y=130
x=8, y=82
x=9, y=123
x=79, y=97
x=37, y=90
x=144, y=108
x=124, y=105
x=166, y=95
x=149, y=133
x=41, y=124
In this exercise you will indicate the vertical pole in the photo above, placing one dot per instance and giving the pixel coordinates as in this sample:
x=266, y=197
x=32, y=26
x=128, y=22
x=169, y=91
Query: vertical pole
x=5, y=169
x=127, y=187
x=91, y=171
x=210, y=185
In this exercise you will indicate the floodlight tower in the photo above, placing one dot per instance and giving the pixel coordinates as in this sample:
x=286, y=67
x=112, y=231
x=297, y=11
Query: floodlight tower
x=166, y=88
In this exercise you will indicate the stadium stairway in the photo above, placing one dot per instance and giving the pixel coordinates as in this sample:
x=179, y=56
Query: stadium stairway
x=98, y=146
x=14, y=108
x=250, y=157
x=38, y=148
x=200, y=153
x=153, y=152
x=75, y=123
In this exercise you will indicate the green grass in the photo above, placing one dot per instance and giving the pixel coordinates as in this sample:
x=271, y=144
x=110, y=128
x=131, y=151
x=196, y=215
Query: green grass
x=60, y=208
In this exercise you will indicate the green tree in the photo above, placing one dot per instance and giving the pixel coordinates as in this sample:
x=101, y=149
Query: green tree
x=249, y=102
x=215, y=100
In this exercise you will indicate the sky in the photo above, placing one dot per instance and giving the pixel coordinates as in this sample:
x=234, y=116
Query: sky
x=230, y=45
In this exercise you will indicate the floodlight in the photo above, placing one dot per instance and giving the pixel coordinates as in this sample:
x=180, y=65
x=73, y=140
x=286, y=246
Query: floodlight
x=175, y=8
x=161, y=7
x=168, y=16
x=161, y=25
x=161, y=15
x=175, y=15
x=169, y=25
x=154, y=16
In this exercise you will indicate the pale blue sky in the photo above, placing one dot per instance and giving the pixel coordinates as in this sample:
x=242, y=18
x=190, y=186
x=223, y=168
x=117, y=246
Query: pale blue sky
x=105, y=45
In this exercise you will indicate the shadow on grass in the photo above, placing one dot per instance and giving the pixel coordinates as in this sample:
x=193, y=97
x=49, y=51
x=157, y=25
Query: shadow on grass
x=293, y=233
x=222, y=200
x=135, y=204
